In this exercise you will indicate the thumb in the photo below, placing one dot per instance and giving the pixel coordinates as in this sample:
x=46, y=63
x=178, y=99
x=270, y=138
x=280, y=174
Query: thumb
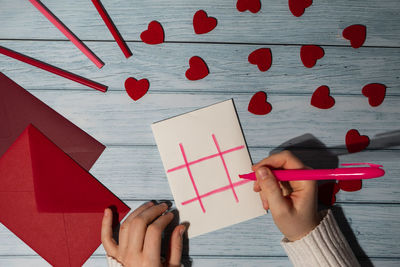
x=270, y=189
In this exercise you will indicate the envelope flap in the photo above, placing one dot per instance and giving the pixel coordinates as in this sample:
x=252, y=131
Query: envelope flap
x=60, y=184
x=16, y=167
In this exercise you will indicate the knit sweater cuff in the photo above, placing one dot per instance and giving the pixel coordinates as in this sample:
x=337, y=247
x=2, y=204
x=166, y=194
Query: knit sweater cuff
x=323, y=246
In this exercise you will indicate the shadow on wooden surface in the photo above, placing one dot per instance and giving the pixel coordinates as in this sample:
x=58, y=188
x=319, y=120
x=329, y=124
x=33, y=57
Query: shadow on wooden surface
x=350, y=236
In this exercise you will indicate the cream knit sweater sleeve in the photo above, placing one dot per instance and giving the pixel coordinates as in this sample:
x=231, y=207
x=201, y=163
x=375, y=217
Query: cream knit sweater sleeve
x=323, y=246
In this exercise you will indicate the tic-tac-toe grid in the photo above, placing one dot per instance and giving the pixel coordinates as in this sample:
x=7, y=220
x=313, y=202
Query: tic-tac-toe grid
x=219, y=154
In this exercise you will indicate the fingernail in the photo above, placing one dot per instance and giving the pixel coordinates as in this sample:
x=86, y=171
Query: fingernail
x=105, y=213
x=166, y=202
x=262, y=173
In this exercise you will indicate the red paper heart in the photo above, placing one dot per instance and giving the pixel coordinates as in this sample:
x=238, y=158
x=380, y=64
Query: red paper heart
x=297, y=7
x=262, y=58
x=202, y=23
x=327, y=193
x=309, y=55
x=356, y=142
x=375, y=92
x=252, y=5
x=356, y=34
x=258, y=104
x=136, y=88
x=350, y=185
x=198, y=69
x=154, y=33
x=321, y=98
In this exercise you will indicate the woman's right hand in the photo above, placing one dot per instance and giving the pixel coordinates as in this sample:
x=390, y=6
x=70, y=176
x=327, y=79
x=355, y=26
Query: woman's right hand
x=293, y=204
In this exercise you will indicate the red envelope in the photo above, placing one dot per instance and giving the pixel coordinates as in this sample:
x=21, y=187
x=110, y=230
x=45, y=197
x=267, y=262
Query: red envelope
x=19, y=108
x=50, y=202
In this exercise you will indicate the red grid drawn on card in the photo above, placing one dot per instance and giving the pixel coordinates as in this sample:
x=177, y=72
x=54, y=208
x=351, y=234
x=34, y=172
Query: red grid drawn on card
x=231, y=186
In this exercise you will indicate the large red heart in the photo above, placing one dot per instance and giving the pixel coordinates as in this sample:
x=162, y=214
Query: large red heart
x=321, y=98
x=356, y=34
x=262, y=58
x=252, y=5
x=356, y=142
x=350, y=185
x=375, y=92
x=297, y=7
x=258, y=104
x=202, y=23
x=327, y=193
x=136, y=88
x=309, y=55
x=198, y=69
x=154, y=33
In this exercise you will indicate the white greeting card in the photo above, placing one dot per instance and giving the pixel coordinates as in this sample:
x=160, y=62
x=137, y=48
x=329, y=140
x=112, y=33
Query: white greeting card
x=203, y=152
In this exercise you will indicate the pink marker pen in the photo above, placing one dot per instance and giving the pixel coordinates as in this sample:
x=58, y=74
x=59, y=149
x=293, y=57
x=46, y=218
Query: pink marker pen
x=353, y=173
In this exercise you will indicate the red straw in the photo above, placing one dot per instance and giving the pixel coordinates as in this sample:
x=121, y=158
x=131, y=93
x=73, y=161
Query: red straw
x=112, y=28
x=67, y=32
x=52, y=69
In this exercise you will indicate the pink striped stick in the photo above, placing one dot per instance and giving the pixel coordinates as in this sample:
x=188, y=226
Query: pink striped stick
x=50, y=68
x=67, y=32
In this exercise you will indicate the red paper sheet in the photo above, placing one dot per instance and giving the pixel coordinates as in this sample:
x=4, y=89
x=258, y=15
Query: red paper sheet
x=19, y=108
x=50, y=202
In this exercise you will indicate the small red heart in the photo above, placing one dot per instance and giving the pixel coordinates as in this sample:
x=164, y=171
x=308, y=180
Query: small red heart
x=375, y=92
x=258, y=104
x=350, y=185
x=327, y=193
x=262, y=58
x=252, y=5
x=202, y=23
x=154, y=33
x=356, y=142
x=321, y=98
x=309, y=55
x=198, y=69
x=356, y=34
x=297, y=7
x=136, y=88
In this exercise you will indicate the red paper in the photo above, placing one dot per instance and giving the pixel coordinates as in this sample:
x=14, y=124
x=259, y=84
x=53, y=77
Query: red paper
x=309, y=55
x=154, y=34
x=350, y=185
x=198, y=69
x=356, y=142
x=327, y=193
x=258, y=104
x=50, y=202
x=321, y=98
x=356, y=34
x=202, y=23
x=262, y=58
x=136, y=88
x=297, y=7
x=375, y=92
x=252, y=5
x=18, y=109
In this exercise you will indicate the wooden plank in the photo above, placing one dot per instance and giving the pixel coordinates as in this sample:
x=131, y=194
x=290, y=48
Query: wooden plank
x=366, y=221
x=344, y=70
x=136, y=172
x=113, y=118
x=99, y=261
x=322, y=23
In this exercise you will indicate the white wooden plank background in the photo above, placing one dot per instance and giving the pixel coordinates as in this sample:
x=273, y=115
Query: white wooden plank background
x=131, y=166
